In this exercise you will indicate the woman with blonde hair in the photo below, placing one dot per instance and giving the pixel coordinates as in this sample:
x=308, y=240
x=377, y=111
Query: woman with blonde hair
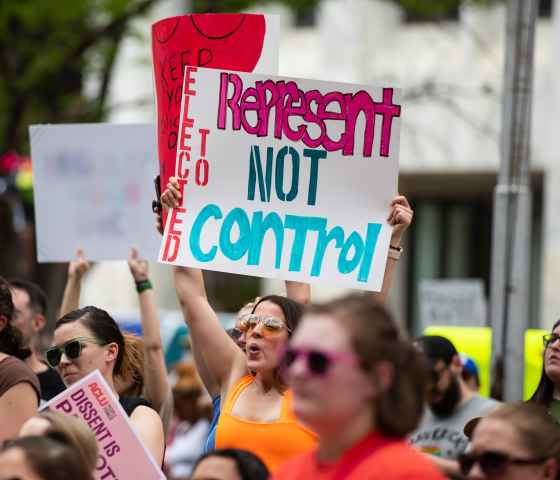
x=68, y=429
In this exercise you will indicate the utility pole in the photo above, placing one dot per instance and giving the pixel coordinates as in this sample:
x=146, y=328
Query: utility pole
x=511, y=240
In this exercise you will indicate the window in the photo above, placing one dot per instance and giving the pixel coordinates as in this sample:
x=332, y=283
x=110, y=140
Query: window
x=545, y=8
x=451, y=236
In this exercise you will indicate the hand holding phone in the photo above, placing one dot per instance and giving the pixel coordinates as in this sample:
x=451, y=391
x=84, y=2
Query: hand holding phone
x=156, y=204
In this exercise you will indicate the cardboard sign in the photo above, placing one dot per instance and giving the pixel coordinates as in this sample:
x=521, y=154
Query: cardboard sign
x=285, y=178
x=93, y=189
x=242, y=42
x=458, y=302
x=121, y=453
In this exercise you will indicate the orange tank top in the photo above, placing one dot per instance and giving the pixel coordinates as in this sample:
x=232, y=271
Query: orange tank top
x=274, y=443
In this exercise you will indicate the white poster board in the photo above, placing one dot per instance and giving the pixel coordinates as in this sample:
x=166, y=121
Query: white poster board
x=93, y=189
x=453, y=302
x=285, y=178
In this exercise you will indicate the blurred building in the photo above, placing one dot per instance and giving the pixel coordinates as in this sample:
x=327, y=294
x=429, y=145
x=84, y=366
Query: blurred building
x=451, y=72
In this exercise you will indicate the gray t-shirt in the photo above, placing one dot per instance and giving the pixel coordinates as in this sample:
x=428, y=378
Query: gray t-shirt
x=443, y=436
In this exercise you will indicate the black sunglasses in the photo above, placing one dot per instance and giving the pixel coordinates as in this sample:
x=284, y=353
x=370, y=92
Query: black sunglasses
x=493, y=463
x=318, y=361
x=549, y=339
x=72, y=349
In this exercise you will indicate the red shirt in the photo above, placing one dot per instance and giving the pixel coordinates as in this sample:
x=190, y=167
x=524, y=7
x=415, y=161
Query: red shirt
x=374, y=457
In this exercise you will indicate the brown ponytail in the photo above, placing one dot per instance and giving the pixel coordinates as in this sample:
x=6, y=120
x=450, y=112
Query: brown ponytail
x=131, y=373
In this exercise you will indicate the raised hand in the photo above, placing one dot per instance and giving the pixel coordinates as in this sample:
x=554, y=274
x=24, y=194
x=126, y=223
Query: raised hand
x=400, y=218
x=138, y=268
x=171, y=196
x=78, y=267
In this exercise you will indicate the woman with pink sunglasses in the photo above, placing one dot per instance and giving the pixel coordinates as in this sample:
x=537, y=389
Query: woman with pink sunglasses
x=360, y=386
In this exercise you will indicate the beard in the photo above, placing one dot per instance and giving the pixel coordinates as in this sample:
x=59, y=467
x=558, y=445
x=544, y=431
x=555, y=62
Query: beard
x=450, y=399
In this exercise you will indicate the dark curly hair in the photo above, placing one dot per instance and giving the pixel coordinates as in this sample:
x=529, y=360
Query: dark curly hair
x=10, y=338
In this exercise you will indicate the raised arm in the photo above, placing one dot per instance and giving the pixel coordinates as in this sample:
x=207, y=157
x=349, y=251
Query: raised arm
x=400, y=218
x=157, y=389
x=298, y=291
x=217, y=357
x=76, y=270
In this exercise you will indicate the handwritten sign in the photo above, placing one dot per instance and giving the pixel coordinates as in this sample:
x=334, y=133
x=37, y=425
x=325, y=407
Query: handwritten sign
x=242, y=42
x=284, y=178
x=93, y=188
x=121, y=453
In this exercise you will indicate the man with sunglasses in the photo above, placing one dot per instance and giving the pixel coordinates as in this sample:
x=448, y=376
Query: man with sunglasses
x=450, y=405
x=29, y=319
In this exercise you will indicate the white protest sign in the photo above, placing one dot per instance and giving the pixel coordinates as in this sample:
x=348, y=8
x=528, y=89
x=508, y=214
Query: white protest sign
x=456, y=302
x=93, y=188
x=121, y=453
x=285, y=178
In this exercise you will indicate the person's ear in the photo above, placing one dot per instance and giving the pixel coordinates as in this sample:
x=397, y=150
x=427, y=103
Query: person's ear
x=550, y=468
x=112, y=352
x=456, y=365
x=384, y=373
x=3, y=322
x=39, y=322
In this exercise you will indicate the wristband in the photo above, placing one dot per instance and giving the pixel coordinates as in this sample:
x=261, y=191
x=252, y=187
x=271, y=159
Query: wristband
x=143, y=285
x=395, y=252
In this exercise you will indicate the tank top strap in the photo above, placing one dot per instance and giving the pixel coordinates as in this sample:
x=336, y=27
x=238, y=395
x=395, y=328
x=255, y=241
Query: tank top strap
x=235, y=391
x=286, y=411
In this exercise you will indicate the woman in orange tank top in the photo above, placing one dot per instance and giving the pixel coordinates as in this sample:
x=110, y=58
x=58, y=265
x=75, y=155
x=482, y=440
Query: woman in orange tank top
x=256, y=406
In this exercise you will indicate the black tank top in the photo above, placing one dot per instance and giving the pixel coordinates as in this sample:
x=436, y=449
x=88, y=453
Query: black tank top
x=129, y=404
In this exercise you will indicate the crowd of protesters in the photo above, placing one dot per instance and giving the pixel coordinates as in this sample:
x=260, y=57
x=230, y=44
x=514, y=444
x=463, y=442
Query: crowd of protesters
x=296, y=391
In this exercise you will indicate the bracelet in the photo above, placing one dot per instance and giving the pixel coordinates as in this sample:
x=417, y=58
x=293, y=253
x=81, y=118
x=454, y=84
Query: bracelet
x=143, y=285
x=394, y=252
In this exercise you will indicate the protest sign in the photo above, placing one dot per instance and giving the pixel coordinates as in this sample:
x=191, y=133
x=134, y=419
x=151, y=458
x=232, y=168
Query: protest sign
x=458, y=302
x=242, y=42
x=121, y=453
x=93, y=188
x=285, y=178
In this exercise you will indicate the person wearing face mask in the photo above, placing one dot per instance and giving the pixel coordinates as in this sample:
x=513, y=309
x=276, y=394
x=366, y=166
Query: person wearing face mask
x=360, y=385
x=450, y=405
x=547, y=392
x=513, y=442
x=89, y=339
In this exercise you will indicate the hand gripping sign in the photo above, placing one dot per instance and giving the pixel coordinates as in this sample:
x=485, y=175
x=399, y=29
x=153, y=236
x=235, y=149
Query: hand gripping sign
x=121, y=453
x=284, y=178
x=242, y=42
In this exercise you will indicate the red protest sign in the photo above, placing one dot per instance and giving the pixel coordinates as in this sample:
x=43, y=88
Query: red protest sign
x=224, y=41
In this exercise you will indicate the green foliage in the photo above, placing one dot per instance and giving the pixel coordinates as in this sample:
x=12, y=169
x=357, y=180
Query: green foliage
x=225, y=6
x=434, y=9
x=46, y=49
